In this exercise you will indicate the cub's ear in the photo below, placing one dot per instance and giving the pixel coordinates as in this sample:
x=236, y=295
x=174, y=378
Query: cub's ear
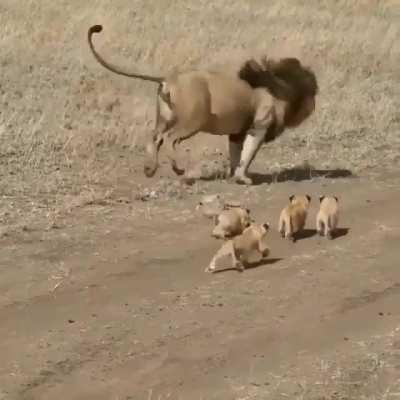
x=321, y=198
x=248, y=210
x=337, y=200
x=291, y=197
x=308, y=197
x=266, y=226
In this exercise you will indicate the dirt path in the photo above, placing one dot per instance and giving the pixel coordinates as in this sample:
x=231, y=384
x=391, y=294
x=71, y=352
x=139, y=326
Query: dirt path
x=116, y=304
x=104, y=296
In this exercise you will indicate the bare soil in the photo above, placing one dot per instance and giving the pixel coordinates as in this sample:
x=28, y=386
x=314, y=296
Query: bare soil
x=115, y=303
x=103, y=293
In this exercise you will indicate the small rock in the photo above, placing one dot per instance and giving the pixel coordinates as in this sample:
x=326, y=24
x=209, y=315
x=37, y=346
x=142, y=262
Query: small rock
x=3, y=233
x=124, y=200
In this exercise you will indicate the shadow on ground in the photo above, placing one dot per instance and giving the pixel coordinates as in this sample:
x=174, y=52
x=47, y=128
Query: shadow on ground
x=261, y=263
x=305, y=234
x=340, y=232
x=300, y=174
x=308, y=233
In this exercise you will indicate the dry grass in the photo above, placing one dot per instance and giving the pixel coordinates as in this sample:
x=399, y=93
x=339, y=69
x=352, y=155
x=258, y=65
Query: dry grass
x=67, y=125
x=371, y=376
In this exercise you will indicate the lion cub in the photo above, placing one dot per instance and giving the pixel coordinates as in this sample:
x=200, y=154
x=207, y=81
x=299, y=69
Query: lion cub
x=242, y=248
x=328, y=216
x=293, y=217
x=211, y=205
x=231, y=222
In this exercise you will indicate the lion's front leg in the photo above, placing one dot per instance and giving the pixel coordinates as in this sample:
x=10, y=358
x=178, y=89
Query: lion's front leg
x=251, y=145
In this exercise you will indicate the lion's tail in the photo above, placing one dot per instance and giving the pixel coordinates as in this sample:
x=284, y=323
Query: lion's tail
x=97, y=29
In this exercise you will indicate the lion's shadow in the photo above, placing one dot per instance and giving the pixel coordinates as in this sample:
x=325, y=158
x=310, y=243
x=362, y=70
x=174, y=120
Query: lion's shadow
x=300, y=174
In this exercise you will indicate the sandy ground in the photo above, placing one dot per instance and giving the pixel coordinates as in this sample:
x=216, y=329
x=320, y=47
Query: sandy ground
x=115, y=304
x=103, y=293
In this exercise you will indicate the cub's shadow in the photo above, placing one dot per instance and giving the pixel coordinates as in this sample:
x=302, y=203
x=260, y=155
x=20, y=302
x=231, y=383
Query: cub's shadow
x=261, y=263
x=300, y=174
x=308, y=233
x=266, y=261
x=341, y=232
x=305, y=234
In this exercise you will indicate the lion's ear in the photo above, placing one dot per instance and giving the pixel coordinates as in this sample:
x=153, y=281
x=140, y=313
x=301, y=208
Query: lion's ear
x=291, y=197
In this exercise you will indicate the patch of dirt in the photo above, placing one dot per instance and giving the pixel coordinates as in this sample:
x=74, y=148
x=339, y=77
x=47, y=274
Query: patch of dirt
x=116, y=304
x=103, y=293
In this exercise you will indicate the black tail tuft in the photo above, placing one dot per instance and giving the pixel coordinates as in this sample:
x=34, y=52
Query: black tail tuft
x=95, y=29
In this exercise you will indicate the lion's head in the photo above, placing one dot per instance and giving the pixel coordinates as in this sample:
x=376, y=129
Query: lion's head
x=287, y=80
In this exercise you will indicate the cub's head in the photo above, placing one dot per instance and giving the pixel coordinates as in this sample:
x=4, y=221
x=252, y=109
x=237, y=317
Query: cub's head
x=301, y=200
x=211, y=205
x=245, y=218
x=324, y=198
x=258, y=230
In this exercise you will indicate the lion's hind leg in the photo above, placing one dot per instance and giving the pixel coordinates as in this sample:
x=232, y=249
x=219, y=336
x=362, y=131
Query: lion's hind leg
x=165, y=118
x=226, y=250
x=172, y=140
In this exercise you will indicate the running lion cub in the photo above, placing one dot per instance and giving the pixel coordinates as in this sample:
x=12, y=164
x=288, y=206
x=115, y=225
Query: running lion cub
x=328, y=216
x=230, y=217
x=293, y=217
x=244, y=249
x=231, y=222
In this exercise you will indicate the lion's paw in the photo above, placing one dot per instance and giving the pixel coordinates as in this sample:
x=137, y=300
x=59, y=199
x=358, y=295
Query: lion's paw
x=241, y=180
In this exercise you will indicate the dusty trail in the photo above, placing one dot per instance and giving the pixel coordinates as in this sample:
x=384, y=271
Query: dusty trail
x=103, y=296
x=136, y=316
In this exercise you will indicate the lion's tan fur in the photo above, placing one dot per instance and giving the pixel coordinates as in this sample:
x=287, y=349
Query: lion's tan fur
x=328, y=216
x=253, y=106
x=293, y=217
x=243, y=248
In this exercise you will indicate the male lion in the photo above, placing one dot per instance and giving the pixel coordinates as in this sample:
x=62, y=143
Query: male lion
x=254, y=106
